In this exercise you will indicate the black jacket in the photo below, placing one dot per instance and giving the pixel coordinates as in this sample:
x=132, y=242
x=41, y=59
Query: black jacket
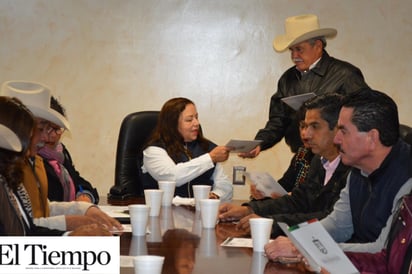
x=309, y=200
x=328, y=76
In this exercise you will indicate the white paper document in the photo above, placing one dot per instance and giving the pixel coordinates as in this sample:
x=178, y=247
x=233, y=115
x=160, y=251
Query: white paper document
x=265, y=183
x=238, y=242
x=296, y=101
x=239, y=146
x=318, y=247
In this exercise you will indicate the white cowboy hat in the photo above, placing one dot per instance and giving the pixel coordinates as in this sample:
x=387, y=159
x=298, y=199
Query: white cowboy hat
x=300, y=28
x=36, y=97
x=9, y=139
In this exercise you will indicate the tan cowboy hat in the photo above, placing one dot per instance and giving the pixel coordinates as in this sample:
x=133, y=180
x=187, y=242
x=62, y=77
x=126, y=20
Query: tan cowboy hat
x=36, y=97
x=9, y=139
x=301, y=28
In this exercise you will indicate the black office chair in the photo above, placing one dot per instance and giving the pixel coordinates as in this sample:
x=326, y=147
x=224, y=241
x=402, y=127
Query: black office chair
x=406, y=133
x=134, y=132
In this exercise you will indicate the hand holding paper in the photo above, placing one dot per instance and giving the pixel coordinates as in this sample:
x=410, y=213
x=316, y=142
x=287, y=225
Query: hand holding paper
x=242, y=146
x=265, y=183
x=318, y=247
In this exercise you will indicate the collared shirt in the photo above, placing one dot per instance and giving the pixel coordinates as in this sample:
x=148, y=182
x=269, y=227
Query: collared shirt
x=329, y=168
x=310, y=67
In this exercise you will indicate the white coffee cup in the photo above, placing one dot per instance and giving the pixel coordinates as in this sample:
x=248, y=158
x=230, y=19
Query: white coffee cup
x=168, y=188
x=153, y=199
x=200, y=192
x=138, y=218
x=145, y=264
x=260, y=229
x=208, y=212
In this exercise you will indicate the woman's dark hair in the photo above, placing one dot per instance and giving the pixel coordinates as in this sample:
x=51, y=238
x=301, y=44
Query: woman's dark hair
x=173, y=240
x=15, y=116
x=166, y=132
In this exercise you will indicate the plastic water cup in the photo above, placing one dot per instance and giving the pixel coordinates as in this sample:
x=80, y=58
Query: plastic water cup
x=260, y=229
x=200, y=192
x=168, y=188
x=138, y=218
x=208, y=212
x=153, y=199
x=146, y=264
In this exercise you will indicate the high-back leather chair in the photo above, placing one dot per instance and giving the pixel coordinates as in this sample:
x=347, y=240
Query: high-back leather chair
x=134, y=132
x=406, y=133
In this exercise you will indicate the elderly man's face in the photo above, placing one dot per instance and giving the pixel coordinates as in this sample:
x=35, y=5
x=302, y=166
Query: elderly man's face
x=304, y=54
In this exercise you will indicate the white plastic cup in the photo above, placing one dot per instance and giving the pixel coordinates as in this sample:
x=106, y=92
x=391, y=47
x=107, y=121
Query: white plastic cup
x=208, y=212
x=138, y=219
x=260, y=229
x=146, y=264
x=168, y=188
x=200, y=192
x=153, y=199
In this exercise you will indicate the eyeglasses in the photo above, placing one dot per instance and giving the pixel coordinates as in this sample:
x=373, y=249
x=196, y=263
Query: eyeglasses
x=58, y=130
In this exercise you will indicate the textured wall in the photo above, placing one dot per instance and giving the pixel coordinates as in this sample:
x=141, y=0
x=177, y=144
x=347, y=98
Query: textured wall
x=107, y=58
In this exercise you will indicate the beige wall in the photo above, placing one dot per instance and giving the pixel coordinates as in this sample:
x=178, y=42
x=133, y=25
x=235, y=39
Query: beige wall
x=105, y=59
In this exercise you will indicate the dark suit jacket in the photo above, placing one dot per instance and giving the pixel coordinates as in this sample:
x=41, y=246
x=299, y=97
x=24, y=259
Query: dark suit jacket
x=309, y=200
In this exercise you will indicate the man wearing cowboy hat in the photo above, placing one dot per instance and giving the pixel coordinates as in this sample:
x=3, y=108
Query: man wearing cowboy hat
x=314, y=71
x=56, y=215
x=16, y=127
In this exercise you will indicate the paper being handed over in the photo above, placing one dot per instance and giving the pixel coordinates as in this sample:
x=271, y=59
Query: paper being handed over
x=240, y=146
x=265, y=183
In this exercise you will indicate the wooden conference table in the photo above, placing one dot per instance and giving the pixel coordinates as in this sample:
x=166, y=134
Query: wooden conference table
x=178, y=235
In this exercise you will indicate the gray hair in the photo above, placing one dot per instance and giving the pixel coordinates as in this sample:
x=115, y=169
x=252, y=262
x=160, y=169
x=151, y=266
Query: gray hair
x=312, y=41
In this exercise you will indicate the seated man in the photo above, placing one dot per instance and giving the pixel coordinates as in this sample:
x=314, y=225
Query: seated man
x=396, y=256
x=368, y=137
x=326, y=177
x=55, y=215
x=298, y=167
